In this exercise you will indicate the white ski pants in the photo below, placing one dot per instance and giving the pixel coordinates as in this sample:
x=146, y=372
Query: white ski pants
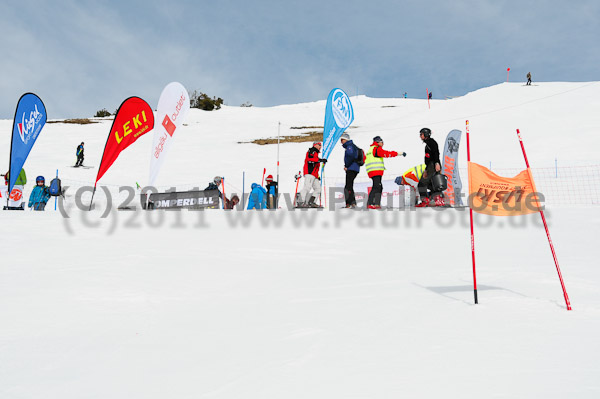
x=311, y=183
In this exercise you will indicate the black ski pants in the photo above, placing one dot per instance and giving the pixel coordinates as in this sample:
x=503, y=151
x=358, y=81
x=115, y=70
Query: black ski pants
x=425, y=182
x=376, y=190
x=349, y=187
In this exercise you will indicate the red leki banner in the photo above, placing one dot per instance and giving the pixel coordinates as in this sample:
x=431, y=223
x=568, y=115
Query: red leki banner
x=133, y=119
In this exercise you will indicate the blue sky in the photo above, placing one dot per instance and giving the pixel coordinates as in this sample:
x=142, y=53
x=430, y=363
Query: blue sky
x=81, y=56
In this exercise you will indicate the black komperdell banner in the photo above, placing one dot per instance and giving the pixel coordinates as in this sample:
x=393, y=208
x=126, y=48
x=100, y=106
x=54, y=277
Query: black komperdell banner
x=208, y=199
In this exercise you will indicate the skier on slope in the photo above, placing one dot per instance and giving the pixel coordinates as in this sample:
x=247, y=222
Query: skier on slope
x=528, y=79
x=79, y=154
x=432, y=166
x=375, y=167
x=312, y=182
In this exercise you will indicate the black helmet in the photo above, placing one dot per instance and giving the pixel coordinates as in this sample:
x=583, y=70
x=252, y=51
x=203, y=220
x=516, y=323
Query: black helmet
x=425, y=132
x=377, y=139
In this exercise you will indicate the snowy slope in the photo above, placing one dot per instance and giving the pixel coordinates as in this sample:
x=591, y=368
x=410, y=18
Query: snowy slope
x=306, y=304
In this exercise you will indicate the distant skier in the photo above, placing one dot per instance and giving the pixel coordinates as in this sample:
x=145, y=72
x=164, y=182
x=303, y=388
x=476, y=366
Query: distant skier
x=430, y=95
x=528, y=79
x=40, y=195
x=312, y=182
x=405, y=95
x=432, y=165
x=375, y=167
x=79, y=154
x=353, y=158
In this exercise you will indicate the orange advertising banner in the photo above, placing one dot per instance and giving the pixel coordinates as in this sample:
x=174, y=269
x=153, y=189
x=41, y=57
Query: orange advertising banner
x=133, y=119
x=495, y=195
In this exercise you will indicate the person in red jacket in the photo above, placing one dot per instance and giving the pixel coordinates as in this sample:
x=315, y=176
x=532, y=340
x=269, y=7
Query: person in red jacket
x=312, y=182
x=375, y=167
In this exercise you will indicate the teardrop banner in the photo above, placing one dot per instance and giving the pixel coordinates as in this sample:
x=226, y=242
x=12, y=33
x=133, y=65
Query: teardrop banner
x=30, y=118
x=133, y=119
x=339, y=114
x=173, y=107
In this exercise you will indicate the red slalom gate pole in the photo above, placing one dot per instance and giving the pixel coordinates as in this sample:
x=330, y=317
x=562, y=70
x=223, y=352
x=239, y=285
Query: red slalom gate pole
x=224, y=196
x=428, y=105
x=507, y=73
x=562, y=283
x=262, y=183
x=471, y=216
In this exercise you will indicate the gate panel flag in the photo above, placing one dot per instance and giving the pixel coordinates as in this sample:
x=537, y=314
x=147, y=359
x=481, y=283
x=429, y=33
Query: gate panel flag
x=450, y=168
x=339, y=114
x=133, y=119
x=495, y=195
x=30, y=118
x=173, y=107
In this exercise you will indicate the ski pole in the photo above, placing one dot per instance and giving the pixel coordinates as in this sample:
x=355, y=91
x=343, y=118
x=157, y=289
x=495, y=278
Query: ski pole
x=296, y=193
x=55, y=200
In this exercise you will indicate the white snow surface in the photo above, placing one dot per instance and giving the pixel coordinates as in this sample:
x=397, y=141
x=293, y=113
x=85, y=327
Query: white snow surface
x=311, y=304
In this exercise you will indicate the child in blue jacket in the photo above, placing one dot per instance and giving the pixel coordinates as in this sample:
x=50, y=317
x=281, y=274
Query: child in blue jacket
x=40, y=195
x=258, y=197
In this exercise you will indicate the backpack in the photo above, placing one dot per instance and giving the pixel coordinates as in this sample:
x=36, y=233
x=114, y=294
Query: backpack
x=360, y=159
x=55, y=188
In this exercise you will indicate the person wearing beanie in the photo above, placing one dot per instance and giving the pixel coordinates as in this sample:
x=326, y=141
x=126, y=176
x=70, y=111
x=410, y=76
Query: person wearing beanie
x=353, y=159
x=432, y=165
x=312, y=182
x=375, y=167
x=272, y=192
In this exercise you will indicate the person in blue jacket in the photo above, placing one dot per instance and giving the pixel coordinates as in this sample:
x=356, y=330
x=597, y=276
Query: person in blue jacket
x=40, y=195
x=79, y=154
x=351, y=167
x=258, y=197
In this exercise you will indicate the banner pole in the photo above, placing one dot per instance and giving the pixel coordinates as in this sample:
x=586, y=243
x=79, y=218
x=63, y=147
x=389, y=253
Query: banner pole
x=243, y=190
x=562, y=283
x=92, y=200
x=428, y=105
x=471, y=217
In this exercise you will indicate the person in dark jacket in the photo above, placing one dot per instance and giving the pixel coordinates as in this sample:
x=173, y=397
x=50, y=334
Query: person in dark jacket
x=79, y=154
x=312, y=182
x=528, y=79
x=272, y=191
x=432, y=165
x=352, y=168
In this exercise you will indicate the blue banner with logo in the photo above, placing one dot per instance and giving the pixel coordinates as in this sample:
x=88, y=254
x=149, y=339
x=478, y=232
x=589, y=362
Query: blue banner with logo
x=339, y=114
x=30, y=118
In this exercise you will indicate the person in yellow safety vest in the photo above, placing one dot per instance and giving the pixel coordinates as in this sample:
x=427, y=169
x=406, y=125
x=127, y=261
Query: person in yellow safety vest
x=375, y=167
x=411, y=177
